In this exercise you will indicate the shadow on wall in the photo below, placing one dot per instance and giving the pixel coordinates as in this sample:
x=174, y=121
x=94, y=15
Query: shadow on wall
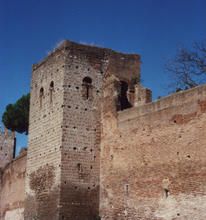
x=122, y=97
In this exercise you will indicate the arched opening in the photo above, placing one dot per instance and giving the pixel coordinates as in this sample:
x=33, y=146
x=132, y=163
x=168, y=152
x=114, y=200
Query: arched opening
x=122, y=98
x=51, y=90
x=41, y=94
x=87, y=88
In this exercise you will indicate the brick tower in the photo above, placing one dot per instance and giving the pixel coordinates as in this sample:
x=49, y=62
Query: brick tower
x=7, y=147
x=63, y=167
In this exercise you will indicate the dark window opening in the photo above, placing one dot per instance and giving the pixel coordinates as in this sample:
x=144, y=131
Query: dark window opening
x=166, y=192
x=87, y=88
x=41, y=94
x=51, y=90
x=122, y=98
x=79, y=167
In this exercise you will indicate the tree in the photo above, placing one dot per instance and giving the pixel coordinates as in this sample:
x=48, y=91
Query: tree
x=188, y=68
x=16, y=116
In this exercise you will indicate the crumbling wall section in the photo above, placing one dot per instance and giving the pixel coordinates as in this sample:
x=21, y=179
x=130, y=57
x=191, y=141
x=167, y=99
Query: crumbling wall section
x=12, y=191
x=153, y=162
x=62, y=180
x=7, y=140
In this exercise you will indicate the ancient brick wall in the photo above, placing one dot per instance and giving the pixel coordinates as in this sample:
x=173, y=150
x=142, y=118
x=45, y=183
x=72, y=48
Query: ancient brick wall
x=81, y=133
x=12, y=191
x=6, y=147
x=85, y=69
x=45, y=139
x=87, y=159
x=153, y=162
x=62, y=179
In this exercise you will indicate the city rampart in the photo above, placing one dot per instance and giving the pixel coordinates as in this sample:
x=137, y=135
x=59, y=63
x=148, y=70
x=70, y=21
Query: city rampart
x=12, y=191
x=153, y=162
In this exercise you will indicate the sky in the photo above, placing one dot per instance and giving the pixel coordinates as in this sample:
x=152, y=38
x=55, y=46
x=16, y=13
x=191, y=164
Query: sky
x=155, y=29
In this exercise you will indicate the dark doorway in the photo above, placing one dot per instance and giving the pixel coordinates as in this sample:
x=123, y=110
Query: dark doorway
x=87, y=88
x=123, y=100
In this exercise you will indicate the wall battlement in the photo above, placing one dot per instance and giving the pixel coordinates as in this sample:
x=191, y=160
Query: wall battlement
x=193, y=96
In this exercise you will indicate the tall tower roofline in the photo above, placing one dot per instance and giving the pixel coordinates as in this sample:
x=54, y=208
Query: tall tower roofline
x=92, y=51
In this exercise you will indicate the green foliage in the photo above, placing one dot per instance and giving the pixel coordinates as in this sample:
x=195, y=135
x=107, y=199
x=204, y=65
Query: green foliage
x=16, y=116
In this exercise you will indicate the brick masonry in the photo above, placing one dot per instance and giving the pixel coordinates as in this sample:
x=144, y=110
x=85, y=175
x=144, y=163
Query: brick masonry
x=100, y=149
x=7, y=140
x=12, y=191
x=153, y=165
x=63, y=164
x=43, y=176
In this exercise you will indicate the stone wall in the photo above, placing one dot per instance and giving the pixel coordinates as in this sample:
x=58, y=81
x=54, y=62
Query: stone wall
x=64, y=135
x=45, y=139
x=85, y=155
x=81, y=134
x=79, y=197
x=12, y=191
x=153, y=159
x=7, y=141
